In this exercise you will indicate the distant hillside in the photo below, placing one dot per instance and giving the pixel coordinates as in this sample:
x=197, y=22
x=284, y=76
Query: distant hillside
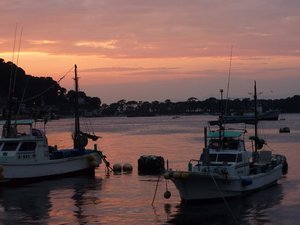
x=35, y=93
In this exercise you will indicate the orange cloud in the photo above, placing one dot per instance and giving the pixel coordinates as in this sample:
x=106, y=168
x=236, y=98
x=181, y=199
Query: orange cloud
x=42, y=42
x=154, y=41
x=111, y=44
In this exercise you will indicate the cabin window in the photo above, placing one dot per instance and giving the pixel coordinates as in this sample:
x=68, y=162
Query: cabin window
x=212, y=157
x=37, y=133
x=233, y=145
x=23, y=129
x=10, y=146
x=229, y=143
x=214, y=144
x=226, y=157
x=239, y=158
x=27, y=146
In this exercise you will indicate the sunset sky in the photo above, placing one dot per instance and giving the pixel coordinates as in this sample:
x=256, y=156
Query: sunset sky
x=158, y=49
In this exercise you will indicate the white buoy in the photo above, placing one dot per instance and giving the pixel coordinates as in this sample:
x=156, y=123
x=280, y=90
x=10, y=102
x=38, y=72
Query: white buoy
x=127, y=167
x=117, y=167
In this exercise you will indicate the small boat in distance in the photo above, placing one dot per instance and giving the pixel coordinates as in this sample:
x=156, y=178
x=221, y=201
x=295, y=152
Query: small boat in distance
x=25, y=155
x=226, y=168
x=284, y=130
x=250, y=117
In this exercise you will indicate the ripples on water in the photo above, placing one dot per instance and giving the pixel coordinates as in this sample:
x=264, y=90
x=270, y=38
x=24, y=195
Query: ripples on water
x=126, y=199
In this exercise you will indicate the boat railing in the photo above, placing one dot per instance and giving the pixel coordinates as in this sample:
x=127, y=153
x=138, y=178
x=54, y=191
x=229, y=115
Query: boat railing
x=200, y=162
x=194, y=162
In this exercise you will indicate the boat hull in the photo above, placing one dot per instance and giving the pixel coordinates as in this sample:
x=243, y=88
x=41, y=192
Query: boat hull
x=19, y=172
x=196, y=186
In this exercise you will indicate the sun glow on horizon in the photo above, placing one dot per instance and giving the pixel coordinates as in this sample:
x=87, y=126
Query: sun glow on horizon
x=168, y=45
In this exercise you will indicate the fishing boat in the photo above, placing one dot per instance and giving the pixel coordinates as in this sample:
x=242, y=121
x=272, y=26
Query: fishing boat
x=226, y=168
x=26, y=156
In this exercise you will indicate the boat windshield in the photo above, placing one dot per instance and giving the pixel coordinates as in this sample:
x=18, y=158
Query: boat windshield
x=23, y=129
x=220, y=157
x=224, y=143
x=226, y=158
x=17, y=127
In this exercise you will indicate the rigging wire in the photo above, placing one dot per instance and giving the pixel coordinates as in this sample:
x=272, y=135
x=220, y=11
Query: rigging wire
x=15, y=74
x=43, y=92
x=24, y=91
x=91, y=127
x=16, y=70
x=12, y=60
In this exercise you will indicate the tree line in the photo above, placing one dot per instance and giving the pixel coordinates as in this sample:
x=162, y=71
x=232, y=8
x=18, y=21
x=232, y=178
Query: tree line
x=43, y=93
x=195, y=106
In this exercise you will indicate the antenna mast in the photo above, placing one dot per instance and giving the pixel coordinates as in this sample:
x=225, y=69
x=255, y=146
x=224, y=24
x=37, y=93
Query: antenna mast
x=228, y=82
x=77, y=125
x=255, y=117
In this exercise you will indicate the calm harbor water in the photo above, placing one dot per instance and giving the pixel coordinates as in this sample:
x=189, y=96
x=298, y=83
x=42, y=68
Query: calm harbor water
x=126, y=198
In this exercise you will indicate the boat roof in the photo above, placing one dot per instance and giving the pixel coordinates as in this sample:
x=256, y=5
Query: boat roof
x=18, y=122
x=225, y=133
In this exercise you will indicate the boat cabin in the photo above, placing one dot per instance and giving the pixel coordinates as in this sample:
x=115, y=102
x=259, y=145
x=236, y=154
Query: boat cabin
x=22, y=142
x=225, y=148
x=226, y=140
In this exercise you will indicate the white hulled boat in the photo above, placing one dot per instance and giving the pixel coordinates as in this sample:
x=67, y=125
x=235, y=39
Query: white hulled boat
x=226, y=168
x=26, y=156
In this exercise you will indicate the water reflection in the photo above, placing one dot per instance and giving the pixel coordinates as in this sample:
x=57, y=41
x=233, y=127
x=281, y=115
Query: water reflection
x=247, y=210
x=39, y=202
x=126, y=198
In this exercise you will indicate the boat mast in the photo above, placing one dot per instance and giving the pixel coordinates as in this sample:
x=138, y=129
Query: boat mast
x=77, y=124
x=80, y=139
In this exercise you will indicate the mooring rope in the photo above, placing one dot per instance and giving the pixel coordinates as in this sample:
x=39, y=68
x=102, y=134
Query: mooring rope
x=226, y=203
x=155, y=189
